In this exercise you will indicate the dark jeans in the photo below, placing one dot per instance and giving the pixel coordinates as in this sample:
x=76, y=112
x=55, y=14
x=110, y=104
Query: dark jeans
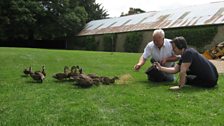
x=157, y=76
x=195, y=81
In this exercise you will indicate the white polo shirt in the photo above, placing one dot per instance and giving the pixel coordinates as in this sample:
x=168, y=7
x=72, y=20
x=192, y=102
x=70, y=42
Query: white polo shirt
x=158, y=54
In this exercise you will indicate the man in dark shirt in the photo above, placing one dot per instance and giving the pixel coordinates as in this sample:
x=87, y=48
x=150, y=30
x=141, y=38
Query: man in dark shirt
x=193, y=67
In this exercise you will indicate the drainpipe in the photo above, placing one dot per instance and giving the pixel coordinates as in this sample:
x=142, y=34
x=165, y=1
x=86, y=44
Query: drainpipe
x=112, y=43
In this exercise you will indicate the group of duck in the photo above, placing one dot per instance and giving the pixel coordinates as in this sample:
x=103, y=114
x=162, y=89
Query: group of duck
x=74, y=74
x=38, y=76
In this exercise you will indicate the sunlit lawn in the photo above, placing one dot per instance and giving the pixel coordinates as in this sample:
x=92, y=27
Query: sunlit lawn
x=138, y=102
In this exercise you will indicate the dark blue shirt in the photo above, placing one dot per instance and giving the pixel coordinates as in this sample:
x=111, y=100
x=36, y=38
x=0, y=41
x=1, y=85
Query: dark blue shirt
x=200, y=66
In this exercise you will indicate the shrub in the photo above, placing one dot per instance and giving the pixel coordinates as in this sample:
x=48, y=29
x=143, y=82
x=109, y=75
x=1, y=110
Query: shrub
x=195, y=36
x=109, y=42
x=133, y=42
x=87, y=43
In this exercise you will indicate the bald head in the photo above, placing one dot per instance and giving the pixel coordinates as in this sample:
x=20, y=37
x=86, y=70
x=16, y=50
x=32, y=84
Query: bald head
x=159, y=32
x=158, y=37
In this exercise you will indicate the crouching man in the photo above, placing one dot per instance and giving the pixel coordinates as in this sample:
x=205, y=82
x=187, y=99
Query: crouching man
x=160, y=50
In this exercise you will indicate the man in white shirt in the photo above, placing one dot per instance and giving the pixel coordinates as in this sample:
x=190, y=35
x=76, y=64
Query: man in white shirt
x=160, y=50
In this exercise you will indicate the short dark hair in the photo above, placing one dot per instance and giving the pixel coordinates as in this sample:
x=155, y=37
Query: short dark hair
x=180, y=42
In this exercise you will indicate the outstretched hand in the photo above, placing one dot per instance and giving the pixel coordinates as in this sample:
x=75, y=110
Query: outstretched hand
x=137, y=67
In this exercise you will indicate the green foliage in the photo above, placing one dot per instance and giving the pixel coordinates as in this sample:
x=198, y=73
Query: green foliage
x=133, y=11
x=109, y=42
x=139, y=102
x=45, y=19
x=18, y=18
x=87, y=43
x=197, y=36
x=95, y=10
x=133, y=42
x=91, y=43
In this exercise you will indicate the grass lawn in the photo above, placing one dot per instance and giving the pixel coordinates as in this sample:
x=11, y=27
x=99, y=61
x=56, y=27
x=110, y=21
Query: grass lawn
x=24, y=102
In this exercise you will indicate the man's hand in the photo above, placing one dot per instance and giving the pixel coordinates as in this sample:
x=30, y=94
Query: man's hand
x=137, y=67
x=163, y=62
x=158, y=66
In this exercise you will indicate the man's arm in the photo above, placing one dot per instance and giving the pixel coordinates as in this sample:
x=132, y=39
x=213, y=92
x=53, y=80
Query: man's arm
x=173, y=58
x=183, y=73
x=171, y=70
x=140, y=63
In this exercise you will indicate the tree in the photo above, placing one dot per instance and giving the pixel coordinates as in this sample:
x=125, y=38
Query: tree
x=46, y=19
x=133, y=11
x=94, y=10
x=63, y=19
x=17, y=18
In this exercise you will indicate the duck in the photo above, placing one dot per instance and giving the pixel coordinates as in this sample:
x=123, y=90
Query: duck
x=76, y=72
x=73, y=71
x=93, y=76
x=96, y=78
x=39, y=77
x=96, y=81
x=26, y=71
x=62, y=76
x=43, y=71
x=84, y=81
x=107, y=80
x=80, y=71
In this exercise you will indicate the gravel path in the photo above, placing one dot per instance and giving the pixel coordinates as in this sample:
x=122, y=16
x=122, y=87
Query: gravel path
x=219, y=64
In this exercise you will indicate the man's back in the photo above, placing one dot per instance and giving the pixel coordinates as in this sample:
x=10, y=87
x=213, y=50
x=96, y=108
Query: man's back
x=200, y=66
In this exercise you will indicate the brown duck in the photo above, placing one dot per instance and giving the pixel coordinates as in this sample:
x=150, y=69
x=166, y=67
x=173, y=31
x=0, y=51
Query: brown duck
x=107, y=80
x=73, y=71
x=76, y=74
x=27, y=71
x=39, y=77
x=42, y=71
x=84, y=81
x=62, y=76
x=93, y=76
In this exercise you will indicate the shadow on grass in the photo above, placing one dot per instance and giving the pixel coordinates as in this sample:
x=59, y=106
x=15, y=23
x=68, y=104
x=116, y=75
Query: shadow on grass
x=185, y=89
x=189, y=88
x=34, y=82
x=81, y=88
x=24, y=76
x=156, y=84
x=62, y=81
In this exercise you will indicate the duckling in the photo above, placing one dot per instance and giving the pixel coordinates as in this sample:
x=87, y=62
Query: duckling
x=114, y=78
x=84, y=81
x=43, y=71
x=37, y=76
x=80, y=71
x=107, y=80
x=27, y=71
x=96, y=79
x=76, y=75
x=73, y=71
x=93, y=76
x=62, y=76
